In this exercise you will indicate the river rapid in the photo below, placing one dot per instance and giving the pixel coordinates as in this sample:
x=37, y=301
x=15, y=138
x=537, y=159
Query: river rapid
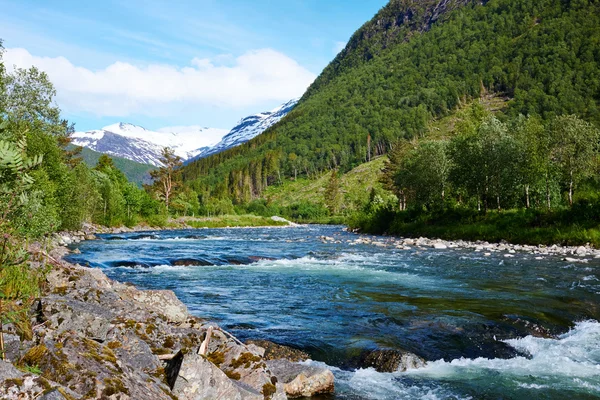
x=490, y=326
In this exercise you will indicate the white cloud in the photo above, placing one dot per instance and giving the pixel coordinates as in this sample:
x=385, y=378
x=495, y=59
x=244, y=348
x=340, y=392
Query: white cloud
x=122, y=89
x=339, y=46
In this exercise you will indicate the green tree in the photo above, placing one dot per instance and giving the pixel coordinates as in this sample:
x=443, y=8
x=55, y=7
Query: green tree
x=165, y=177
x=575, y=149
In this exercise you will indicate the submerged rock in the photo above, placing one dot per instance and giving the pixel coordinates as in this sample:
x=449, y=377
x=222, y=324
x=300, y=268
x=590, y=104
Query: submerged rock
x=391, y=360
x=191, y=262
x=300, y=380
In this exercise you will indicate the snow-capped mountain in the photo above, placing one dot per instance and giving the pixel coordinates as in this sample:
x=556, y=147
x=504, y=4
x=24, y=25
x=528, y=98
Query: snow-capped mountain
x=247, y=129
x=142, y=145
x=189, y=142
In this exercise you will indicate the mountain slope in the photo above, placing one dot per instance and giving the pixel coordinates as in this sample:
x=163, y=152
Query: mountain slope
x=414, y=62
x=142, y=145
x=247, y=129
x=135, y=172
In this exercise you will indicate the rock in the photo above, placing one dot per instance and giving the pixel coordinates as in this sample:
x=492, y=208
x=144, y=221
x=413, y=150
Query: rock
x=575, y=260
x=280, y=219
x=440, y=246
x=16, y=385
x=244, y=366
x=198, y=379
x=12, y=346
x=390, y=360
x=8, y=371
x=302, y=380
x=274, y=351
x=164, y=302
x=581, y=251
x=54, y=394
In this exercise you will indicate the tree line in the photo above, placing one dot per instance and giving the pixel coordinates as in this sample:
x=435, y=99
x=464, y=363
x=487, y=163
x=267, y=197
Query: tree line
x=488, y=164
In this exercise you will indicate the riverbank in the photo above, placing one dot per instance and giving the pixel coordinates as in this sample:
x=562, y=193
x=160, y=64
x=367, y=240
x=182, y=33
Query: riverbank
x=578, y=254
x=90, y=337
x=575, y=226
x=89, y=231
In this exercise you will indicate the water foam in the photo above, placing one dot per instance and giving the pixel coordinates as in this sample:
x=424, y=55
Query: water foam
x=370, y=384
x=571, y=360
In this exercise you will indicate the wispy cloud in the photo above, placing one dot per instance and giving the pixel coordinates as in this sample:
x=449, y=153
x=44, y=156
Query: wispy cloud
x=122, y=89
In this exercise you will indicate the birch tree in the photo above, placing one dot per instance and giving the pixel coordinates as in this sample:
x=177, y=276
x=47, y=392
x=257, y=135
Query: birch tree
x=165, y=177
x=575, y=145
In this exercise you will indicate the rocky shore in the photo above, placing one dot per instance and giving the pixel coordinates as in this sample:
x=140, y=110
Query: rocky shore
x=581, y=254
x=93, y=338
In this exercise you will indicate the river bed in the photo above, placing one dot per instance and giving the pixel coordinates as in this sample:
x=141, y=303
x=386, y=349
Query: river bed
x=490, y=326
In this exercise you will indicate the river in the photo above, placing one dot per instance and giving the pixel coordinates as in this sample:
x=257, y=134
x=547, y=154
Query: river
x=490, y=327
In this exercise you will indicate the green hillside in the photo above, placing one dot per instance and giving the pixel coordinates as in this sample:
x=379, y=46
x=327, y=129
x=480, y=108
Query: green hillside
x=355, y=187
x=134, y=171
x=414, y=63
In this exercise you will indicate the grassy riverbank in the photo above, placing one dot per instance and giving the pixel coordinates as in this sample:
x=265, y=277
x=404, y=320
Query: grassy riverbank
x=225, y=221
x=575, y=226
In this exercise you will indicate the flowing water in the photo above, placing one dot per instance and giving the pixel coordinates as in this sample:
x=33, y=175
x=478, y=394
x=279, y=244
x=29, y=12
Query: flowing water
x=490, y=327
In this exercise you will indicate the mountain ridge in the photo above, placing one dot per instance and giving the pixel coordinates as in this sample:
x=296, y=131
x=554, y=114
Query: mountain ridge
x=246, y=129
x=136, y=143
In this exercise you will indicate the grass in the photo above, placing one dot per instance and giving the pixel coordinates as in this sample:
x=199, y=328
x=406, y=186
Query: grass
x=562, y=227
x=225, y=221
x=355, y=187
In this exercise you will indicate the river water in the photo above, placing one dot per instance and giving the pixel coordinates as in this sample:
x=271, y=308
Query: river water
x=490, y=327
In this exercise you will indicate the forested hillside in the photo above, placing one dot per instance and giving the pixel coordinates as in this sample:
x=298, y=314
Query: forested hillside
x=135, y=172
x=413, y=63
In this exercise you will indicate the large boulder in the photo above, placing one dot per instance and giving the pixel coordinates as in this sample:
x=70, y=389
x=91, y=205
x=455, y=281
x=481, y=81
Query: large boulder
x=301, y=380
x=193, y=377
x=391, y=360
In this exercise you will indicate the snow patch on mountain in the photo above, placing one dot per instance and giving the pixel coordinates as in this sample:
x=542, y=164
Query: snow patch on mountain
x=248, y=128
x=142, y=145
x=189, y=142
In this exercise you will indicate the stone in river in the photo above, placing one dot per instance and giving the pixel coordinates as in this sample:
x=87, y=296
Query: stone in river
x=391, y=360
x=274, y=351
x=300, y=380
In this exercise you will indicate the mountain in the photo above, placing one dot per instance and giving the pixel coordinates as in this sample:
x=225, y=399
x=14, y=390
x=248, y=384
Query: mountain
x=142, y=145
x=415, y=62
x=247, y=129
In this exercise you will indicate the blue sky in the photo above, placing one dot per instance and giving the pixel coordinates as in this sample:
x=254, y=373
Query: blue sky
x=159, y=63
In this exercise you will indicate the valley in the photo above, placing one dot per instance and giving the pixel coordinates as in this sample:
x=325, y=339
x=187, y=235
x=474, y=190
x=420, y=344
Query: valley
x=420, y=221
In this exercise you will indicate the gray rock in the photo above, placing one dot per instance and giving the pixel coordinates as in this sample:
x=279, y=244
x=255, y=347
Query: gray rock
x=391, y=360
x=164, y=302
x=53, y=395
x=199, y=379
x=301, y=380
x=274, y=351
x=581, y=251
x=8, y=371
